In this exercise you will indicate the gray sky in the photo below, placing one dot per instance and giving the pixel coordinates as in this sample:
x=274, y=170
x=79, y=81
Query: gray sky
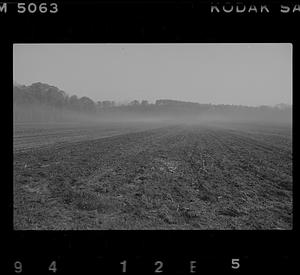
x=246, y=74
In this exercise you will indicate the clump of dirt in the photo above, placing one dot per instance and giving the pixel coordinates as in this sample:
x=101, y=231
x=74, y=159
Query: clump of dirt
x=229, y=211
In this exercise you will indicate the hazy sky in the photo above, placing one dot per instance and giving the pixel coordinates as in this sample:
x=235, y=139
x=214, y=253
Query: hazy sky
x=246, y=74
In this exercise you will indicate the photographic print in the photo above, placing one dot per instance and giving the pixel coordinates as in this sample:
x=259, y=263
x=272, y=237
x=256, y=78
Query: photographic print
x=181, y=136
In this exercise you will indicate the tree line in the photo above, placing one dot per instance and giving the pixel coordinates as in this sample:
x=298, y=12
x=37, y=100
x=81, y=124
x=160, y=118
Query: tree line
x=40, y=94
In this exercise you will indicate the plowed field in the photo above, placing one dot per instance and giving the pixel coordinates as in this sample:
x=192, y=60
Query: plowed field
x=175, y=177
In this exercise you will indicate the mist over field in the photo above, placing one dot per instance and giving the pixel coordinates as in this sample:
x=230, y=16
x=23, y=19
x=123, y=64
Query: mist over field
x=48, y=104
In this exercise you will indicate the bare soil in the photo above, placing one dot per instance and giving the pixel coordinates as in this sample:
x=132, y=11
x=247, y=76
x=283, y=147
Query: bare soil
x=176, y=177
